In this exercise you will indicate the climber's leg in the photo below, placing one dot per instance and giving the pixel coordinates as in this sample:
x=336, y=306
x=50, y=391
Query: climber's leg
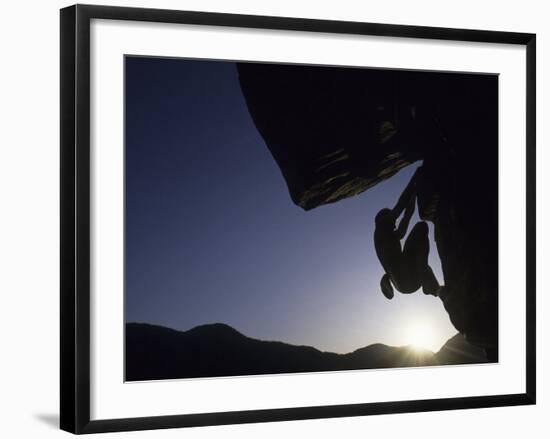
x=407, y=277
x=386, y=286
x=430, y=285
x=416, y=251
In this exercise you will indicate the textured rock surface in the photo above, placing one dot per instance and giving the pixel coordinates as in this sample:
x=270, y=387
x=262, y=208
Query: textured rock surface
x=330, y=131
x=337, y=132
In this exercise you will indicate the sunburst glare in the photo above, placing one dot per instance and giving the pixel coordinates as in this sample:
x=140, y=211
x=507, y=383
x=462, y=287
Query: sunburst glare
x=421, y=335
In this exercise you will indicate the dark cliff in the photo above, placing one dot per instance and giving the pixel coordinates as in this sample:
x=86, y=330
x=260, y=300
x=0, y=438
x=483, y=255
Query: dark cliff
x=336, y=132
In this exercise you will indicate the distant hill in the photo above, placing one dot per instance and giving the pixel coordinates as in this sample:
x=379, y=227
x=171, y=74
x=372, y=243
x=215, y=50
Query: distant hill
x=214, y=350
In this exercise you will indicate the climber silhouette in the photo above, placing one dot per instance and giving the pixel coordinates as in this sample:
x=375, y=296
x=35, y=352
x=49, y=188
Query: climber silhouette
x=407, y=269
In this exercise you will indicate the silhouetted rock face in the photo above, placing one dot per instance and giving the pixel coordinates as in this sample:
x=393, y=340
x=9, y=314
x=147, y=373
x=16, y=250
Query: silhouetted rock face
x=330, y=137
x=337, y=132
x=154, y=352
x=458, y=351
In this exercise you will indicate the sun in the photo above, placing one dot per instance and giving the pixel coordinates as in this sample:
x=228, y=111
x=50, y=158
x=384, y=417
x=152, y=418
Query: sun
x=421, y=335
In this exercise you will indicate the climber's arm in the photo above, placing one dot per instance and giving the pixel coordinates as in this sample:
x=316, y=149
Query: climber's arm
x=405, y=198
x=404, y=223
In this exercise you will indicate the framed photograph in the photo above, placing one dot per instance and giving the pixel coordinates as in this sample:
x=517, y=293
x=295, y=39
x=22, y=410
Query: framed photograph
x=275, y=218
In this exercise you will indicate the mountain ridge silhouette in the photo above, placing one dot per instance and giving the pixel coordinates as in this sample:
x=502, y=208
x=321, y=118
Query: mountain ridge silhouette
x=156, y=352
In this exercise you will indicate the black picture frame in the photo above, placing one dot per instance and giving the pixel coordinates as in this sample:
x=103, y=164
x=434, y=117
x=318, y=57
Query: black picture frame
x=75, y=217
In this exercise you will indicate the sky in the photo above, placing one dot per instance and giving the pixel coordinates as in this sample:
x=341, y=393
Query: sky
x=211, y=234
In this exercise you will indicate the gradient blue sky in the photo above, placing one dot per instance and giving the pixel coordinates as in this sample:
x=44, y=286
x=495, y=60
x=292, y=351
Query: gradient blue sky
x=213, y=236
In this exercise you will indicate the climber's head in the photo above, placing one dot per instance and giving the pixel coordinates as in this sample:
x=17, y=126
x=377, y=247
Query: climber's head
x=385, y=219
